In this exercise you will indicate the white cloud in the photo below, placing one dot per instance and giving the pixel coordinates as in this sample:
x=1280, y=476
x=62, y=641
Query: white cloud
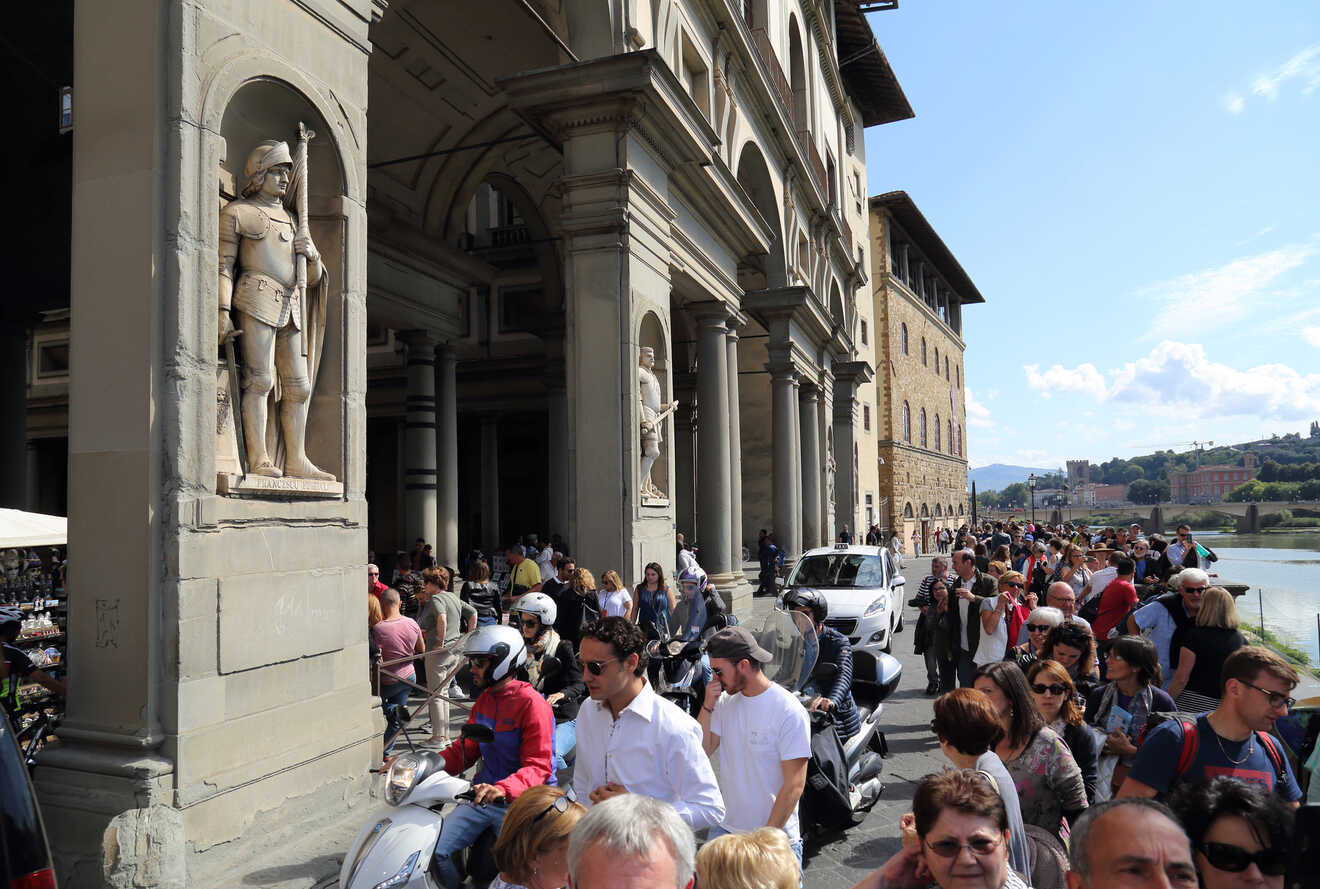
x=1180, y=377
x=1303, y=67
x=1058, y=380
x=1224, y=294
x=978, y=415
x=1312, y=335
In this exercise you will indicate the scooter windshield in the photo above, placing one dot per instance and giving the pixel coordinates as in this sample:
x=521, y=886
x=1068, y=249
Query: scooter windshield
x=687, y=619
x=791, y=640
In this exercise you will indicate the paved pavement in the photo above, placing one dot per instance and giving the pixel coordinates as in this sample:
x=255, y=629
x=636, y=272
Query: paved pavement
x=836, y=863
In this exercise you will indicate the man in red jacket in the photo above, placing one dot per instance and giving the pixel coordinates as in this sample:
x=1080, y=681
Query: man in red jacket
x=517, y=758
x=1116, y=601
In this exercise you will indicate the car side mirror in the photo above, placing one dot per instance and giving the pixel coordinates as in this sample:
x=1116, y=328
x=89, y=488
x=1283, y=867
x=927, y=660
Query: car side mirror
x=898, y=580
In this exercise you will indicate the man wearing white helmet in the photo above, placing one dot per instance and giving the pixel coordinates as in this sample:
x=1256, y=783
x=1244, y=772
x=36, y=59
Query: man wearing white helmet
x=517, y=758
x=552, y=668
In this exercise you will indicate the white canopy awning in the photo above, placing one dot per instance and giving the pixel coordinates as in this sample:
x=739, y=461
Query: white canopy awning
x=24, y=529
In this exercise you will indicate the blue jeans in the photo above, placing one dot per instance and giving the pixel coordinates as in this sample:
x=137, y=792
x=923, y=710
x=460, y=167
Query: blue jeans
x=461, y=828
x=565, y=741
x=796, y=846
x=393, y=703
x=485, y=621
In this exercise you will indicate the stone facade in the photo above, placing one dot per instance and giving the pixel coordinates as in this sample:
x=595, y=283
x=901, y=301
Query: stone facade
x=919, y=290
x=527, y=204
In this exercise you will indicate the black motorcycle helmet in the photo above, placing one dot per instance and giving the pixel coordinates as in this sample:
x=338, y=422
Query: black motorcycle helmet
x=808, y=598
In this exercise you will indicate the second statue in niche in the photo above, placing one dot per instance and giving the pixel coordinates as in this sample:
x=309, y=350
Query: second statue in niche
x=653, y=412
x=271, y=277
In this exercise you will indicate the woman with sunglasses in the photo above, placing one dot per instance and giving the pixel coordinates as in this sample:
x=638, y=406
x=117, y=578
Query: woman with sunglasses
x=1120, y=707
x=1049, y=783
x=958, y=836
x=1239, y=832
x=552, y=669
x=1071, y=644
x=532, y=849
x=1039, y=623
x=1055, y=697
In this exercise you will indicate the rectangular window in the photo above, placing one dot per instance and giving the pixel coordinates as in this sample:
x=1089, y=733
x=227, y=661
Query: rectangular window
x=863, y=331
x=866, y=417
x=53, y=359
x=696, y=76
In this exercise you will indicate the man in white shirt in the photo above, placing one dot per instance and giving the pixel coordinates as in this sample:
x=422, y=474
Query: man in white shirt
x=764, y=735
x=545, y=561
x=631, y=740
x=1100, y=579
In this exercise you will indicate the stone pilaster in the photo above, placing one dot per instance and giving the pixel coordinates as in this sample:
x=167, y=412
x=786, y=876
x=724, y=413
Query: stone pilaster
x=735, y=453
x=787, y=511
x=419, y=438
x=808, y=407
x=446, y=455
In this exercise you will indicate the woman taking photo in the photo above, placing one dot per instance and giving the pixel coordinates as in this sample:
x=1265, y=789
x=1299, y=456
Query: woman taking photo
x=1119, y=708
x=552, y=669
x=1240, y=832
x=1072, y=568
x=1055, y=697
x=1039, y=623
x=1200, y=658
x=653, y=601
x=531, y=851
x=1048, y=780
x=1072, y=645
x=959, y=834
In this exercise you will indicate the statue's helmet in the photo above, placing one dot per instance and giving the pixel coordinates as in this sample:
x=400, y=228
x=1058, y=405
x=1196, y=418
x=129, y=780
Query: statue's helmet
x=267, y=154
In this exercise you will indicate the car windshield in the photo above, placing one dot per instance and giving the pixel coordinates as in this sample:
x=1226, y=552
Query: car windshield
x=846, y=570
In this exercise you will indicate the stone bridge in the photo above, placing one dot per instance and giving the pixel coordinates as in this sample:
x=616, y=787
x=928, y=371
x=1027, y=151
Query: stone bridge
x=1247, y=516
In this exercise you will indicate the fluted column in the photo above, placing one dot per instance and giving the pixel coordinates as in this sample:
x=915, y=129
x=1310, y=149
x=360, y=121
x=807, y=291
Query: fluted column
x=784, y=460
x=735, y=453
x=490, y=483
x=808, y=405
x=446, y=455
x=713, y=466
x=419, y=471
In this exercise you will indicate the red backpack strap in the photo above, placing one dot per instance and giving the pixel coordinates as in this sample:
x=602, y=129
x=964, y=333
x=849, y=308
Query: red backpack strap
x=1187, y=755
x=1273, y=752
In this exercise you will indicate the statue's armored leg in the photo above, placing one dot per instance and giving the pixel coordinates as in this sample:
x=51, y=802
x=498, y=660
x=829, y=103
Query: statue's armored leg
x=257, y=344
x=295, y=390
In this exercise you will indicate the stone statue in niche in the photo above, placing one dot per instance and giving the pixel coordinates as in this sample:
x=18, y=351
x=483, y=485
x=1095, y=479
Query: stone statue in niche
x=653, y=412
x=272, y=278
x=831, y=466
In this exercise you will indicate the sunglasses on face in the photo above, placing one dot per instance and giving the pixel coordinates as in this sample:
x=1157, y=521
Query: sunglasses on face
x=949, y=848
x=559, y=805
x=530, y=623
x=1054, y=689
x=1235, y=859
x=1014, y=584
x=1198, y=590
x=598, y=667
x=1038, y=628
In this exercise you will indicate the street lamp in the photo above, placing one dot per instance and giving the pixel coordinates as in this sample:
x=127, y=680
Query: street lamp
x=1031, y=483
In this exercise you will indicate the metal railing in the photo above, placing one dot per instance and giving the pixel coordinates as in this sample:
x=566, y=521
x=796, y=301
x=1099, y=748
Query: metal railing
x=777, y=78
x=817, y=165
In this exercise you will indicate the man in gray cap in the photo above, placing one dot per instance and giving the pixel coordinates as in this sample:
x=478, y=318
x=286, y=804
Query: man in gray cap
x=764, y=736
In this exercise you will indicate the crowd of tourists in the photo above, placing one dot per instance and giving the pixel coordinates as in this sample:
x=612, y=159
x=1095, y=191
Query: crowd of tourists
x=1104, y=721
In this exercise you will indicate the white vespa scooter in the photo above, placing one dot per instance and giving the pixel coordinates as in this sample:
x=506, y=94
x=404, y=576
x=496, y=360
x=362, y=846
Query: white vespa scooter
x=393, y=849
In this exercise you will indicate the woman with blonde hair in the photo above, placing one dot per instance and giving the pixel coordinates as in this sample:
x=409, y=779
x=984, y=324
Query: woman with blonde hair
x=614, y=598
x=760, y=859
x=1195, y=686
x=532, y=848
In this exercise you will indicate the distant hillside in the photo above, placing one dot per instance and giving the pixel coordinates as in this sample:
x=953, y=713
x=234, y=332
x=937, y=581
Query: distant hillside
x=998, y=476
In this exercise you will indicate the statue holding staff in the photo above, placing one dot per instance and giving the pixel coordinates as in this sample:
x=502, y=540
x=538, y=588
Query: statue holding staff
x=271, y=275
x=653, y=412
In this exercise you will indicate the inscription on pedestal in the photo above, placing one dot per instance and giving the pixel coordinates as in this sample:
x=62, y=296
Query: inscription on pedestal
x=264, y=486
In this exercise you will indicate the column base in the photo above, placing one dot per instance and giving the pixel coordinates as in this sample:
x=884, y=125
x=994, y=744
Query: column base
x=736, y=591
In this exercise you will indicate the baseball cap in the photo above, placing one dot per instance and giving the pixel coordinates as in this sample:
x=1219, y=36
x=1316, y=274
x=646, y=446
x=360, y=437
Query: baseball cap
x=734, y=644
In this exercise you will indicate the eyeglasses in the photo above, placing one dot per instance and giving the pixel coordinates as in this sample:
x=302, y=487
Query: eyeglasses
x=1194, y=589
x=1235, y=859
x=949, y=848
x=560, y=805
x=1055, y=689
x=1038, y=628
x=598, y=667
x=1277, y=699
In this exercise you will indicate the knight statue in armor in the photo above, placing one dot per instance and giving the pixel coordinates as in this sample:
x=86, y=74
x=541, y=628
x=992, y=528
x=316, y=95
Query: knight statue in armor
x=653, y=412
x=263, y=249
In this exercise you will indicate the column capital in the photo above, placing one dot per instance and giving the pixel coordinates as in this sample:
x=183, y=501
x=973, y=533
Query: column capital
x=715, y=312
x=808, y=390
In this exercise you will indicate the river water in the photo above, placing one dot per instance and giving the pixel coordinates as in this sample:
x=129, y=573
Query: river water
x=1283, y=571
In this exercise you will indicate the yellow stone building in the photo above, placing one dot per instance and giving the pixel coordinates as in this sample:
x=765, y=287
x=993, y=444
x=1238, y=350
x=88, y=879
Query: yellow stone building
x=920, y=427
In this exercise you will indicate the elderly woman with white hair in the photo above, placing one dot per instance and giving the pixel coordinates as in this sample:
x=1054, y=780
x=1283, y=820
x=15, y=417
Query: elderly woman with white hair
x=1039, y=622
x=631, y=840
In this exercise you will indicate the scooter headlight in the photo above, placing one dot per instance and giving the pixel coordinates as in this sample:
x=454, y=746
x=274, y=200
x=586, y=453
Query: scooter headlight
x=401, y=875
x=401, y=778
x=877, y=606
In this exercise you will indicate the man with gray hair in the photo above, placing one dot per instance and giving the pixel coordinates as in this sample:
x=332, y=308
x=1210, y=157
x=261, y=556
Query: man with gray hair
x=1129, y=843
x=631, y=842
x=1169, y=619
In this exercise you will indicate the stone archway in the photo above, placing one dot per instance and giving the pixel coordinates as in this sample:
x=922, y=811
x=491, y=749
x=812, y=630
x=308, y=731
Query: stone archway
x=754, y=177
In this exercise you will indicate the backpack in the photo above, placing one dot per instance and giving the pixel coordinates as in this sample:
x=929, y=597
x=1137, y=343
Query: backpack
x=826, y=803
x=1091, y=610
x=1190, y=743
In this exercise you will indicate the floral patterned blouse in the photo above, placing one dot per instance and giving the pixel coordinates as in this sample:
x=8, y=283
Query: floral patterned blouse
x=1048, y=782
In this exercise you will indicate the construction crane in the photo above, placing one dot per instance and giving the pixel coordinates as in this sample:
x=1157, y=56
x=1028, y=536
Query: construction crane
x=1197, y=447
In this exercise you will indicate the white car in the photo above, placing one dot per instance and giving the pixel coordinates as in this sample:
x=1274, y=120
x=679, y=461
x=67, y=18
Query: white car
x=865, y=592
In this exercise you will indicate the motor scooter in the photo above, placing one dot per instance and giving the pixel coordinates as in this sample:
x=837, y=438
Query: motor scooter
x=675, y=659
x=394, y=849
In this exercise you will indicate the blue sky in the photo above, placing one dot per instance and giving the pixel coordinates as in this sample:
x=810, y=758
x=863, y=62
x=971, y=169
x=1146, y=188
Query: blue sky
x=1135, y=189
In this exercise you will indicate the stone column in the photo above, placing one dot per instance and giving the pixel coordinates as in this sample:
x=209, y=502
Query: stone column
x=446, y=455
x=735, y=453
x=419, y=451
x=796, y=476
x=848, y=375
x=714, y=490
x=824, y=418
x=787, y=514
x=490, y=483
x=13, y=414
x=809, y=402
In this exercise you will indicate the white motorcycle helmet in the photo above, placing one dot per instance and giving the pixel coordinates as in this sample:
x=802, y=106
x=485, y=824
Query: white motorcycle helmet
x=503, y=645
x=540, y=605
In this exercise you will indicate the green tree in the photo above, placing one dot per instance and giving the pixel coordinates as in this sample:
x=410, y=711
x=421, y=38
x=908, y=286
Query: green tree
x=1147, y=491
x=1016, y=494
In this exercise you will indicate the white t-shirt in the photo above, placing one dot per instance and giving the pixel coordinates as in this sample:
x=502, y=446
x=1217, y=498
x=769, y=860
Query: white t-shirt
x=991, y=646
x=756, y=735
x=614, y=604
x=1100, y=580
x=964, y=610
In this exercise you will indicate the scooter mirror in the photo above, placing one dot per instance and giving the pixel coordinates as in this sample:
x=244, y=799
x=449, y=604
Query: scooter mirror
x=824, y=670
x=481, y=734
x=550, y=665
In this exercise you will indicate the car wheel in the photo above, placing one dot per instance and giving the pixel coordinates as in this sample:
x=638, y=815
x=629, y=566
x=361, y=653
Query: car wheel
x=889, y=642
x=899, y=628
